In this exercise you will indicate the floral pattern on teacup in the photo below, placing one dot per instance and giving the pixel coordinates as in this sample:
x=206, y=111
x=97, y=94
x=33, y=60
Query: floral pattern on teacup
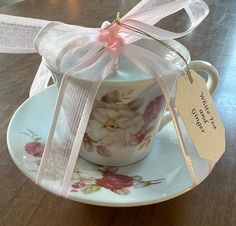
x=116, y=121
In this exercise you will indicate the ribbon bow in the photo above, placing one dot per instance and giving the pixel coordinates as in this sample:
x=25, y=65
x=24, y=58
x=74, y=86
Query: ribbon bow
x=88, y=55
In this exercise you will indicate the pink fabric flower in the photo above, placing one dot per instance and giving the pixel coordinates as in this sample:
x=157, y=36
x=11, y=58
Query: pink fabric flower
x=138, y=137
x=114, y=181
x=113, y=41
x=152, y=109
x=35, y=148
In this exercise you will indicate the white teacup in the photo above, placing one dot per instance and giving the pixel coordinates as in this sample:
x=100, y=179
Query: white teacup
x=129, y=108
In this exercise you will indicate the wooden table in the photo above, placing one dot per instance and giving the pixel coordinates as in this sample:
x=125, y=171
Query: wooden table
x=213, y=202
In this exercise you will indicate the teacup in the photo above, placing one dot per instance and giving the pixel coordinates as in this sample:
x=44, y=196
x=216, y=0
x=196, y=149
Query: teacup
x=129, y=108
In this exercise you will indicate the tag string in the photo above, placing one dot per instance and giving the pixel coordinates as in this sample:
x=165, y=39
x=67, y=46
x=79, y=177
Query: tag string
x=137, y=30
x=150, y=36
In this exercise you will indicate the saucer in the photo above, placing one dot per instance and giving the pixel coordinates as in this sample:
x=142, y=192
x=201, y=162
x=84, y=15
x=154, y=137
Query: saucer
x=160, y=176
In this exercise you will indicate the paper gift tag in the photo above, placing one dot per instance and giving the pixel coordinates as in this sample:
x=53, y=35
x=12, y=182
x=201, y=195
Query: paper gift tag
x=197, y=110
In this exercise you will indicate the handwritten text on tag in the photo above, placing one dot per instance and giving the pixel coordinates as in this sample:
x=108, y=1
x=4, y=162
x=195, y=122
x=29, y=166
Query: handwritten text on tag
x=198, y=112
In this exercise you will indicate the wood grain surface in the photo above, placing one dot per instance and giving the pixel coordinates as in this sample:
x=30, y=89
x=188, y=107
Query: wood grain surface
x=212, y=203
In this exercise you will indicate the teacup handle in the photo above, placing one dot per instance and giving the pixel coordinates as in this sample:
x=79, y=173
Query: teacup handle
x=213, y=75
x=212, y=82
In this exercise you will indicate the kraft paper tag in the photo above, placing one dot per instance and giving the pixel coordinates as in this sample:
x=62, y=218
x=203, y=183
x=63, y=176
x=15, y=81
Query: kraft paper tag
x=198, y=112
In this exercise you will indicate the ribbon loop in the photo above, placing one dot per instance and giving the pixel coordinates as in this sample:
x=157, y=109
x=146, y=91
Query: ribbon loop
x=196, y=10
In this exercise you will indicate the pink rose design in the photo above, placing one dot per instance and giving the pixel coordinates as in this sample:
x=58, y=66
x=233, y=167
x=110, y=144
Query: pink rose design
x=152, y=110
x=35, y=148
x=138, y=137
x=78, y=185
x=86, y=138
x=88, y=143
x=114, y=181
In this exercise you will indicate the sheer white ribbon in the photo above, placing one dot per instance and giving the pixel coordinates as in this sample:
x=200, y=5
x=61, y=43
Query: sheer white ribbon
x=85, y=62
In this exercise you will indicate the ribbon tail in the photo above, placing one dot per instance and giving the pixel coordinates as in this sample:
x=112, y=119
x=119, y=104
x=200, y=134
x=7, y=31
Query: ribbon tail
x=73, y=108
x=150, y=63
x=83, y=124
